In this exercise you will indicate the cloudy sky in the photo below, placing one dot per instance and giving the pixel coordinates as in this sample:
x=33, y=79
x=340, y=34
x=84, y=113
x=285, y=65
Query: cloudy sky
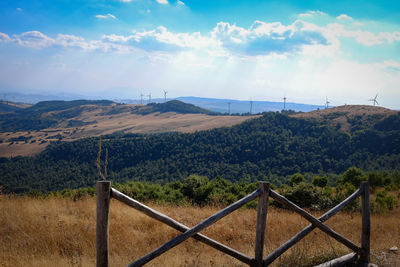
x=348, y=51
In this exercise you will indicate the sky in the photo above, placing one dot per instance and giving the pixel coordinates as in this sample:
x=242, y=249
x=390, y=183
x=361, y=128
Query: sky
x=307, y=51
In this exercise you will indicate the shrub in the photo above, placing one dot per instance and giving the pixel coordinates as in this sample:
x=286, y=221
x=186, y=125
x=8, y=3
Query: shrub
x=342, y=192
x=192, y=184
x=307, y=196
x=353, y=176
x=384, y=202
x=296, y=178
x=320, y=181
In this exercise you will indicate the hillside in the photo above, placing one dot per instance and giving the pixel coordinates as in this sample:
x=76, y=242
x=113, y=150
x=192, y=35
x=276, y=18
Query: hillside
x=348, y=118
x=270, y=147
x=29, y=130
x=10, y=106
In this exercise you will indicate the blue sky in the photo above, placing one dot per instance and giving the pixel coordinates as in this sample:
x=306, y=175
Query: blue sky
x=347, y=51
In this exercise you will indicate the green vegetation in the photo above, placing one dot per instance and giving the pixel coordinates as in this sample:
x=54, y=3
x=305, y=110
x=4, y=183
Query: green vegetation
x=201, y=191
x=272, y=147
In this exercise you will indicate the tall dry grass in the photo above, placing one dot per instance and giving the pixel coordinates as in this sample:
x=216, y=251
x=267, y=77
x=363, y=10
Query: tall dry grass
x=61, y=232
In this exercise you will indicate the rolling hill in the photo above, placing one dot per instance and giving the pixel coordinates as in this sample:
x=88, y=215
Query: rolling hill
x=269, y=147
x=27, y=131
x=348, y=118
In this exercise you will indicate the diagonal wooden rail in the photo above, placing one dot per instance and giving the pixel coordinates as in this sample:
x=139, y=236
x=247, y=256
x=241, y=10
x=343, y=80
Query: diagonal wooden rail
x=105, y=192
x=303, y=233
x=178, y=226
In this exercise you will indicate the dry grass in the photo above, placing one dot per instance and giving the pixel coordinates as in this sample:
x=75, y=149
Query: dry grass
x=44, y=232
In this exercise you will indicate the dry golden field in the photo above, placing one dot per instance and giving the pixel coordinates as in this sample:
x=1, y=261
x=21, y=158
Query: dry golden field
x=61, y=232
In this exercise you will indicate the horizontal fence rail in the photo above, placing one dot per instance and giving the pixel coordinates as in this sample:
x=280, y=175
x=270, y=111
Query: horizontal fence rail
x=361, y=254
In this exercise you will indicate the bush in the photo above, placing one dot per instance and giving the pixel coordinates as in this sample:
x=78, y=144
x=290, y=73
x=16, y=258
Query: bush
x=342, y=192
x=353, y=176
x=296, y=178
x=384, y=202
x=320, y=181
x=307, y=196
x=192, y=184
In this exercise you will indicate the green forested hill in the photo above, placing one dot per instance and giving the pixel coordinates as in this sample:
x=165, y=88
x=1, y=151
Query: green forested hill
x=269, y=148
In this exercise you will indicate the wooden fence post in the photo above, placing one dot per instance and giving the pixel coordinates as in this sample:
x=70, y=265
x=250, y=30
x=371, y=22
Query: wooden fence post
x=103, y=207
x=261, y=223
x=366, y=223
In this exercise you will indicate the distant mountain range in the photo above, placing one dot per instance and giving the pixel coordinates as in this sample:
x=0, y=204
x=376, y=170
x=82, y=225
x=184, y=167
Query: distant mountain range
x=235, y=107
x=240, y=106
x=212, y=104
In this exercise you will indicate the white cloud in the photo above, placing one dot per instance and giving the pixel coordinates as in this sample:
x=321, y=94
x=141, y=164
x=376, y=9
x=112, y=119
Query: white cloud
x=260, y=39
x=33, y=39
x=164, y=2
x=38, y=40
x=161, y=39
x=364, y=37
x=392, y=64
x=4, y=37
x=19, y=9
x=344, y=17
x=180, y=3
x=107, y=16
x=225, y=39
x=266, y=38
x=312, y=13
x=126, y=1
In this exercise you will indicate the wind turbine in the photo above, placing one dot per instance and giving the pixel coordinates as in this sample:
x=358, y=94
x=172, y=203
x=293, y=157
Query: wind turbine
x=327, y=103
x=165, y=95
x=141, y=98
x=251, y=106
x=284, y=103
x=149, y=98
x=229, y=108
x=374, y=100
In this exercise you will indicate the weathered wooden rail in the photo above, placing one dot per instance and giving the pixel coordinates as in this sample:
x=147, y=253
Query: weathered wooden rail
x=361, y=254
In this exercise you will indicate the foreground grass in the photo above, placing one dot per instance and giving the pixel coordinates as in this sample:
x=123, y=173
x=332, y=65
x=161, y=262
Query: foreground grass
x=61, y=231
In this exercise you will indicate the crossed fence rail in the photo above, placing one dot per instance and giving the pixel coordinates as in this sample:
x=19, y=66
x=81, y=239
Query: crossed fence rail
x=360, y=255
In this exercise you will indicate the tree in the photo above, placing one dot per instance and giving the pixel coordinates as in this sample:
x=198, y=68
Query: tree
x=320, y=181
x=354, y=176
x=192, y=184
x=296, y=179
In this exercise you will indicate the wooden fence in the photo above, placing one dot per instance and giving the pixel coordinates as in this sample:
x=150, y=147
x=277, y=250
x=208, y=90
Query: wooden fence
x=360, y=254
